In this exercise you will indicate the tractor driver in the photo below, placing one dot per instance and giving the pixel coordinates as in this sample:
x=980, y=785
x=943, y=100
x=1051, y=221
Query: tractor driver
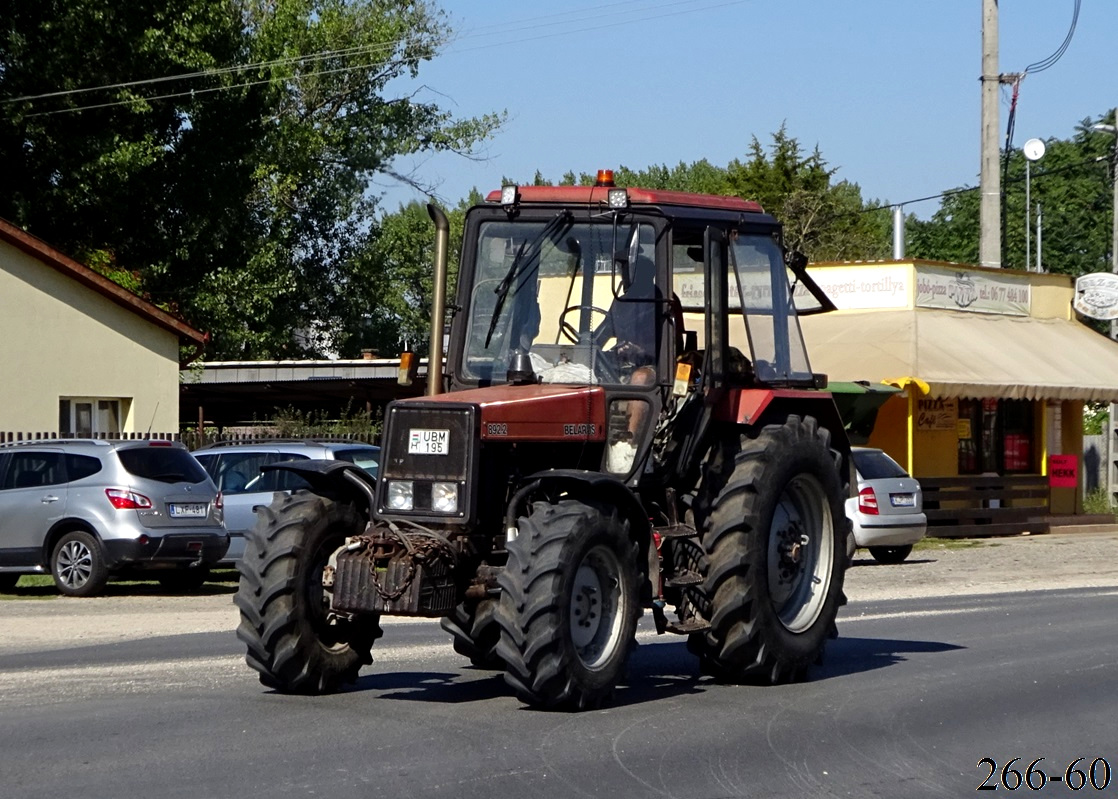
x=631, y=322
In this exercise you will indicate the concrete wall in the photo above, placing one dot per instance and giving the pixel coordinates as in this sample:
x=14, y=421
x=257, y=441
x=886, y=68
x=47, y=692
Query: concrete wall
x=61, y=339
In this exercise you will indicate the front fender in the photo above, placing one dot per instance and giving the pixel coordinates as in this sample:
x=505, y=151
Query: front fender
x=583, y=483
x=340, y=480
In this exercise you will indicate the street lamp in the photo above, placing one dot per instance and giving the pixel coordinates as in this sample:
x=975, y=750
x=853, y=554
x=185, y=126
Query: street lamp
x=1033, y=150
x=1112, y=130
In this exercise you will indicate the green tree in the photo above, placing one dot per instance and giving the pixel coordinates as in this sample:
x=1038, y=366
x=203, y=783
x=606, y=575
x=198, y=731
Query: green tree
x=241, y=195
x=1072, y=184
x=823, y=218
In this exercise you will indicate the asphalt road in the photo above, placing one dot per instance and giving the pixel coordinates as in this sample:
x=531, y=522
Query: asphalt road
x=913, y=695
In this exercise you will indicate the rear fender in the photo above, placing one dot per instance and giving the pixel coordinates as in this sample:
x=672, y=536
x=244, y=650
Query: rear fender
x=339, y=480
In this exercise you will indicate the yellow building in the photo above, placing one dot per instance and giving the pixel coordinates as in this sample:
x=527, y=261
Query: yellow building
x=79, y=354
x=994, y=365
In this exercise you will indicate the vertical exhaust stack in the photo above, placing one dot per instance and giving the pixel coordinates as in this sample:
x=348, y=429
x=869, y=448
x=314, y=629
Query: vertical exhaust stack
x=438, y=301
x=898, y=233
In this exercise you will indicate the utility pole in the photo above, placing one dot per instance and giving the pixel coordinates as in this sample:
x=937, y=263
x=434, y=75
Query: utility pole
x=990, y=233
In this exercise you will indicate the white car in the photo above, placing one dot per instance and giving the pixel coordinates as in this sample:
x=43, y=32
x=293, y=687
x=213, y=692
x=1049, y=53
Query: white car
x=888, y=512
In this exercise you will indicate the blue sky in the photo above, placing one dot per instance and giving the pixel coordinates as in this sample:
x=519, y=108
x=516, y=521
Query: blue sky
x=888, y=89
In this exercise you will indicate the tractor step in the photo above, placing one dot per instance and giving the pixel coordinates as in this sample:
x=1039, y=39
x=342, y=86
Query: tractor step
x=678, y=530
x=688, y=627
x=682, y=578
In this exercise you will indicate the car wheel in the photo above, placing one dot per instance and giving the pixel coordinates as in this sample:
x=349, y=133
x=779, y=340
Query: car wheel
x=890, y=554
x=77, y=565
x=8, y=582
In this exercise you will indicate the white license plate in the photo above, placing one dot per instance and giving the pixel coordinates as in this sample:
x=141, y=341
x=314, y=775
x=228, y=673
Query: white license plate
x=187, y=510
x=428, y=442
x=903, y=500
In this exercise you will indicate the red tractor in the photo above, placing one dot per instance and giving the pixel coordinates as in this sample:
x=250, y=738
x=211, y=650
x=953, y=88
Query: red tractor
x=629, y=422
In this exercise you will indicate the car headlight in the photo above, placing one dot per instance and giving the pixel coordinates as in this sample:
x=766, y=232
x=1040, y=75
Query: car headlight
x=444, y=497
x=401, y=494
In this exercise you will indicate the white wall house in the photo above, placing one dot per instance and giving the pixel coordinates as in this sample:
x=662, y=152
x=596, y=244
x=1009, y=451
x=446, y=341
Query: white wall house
x=79, y=354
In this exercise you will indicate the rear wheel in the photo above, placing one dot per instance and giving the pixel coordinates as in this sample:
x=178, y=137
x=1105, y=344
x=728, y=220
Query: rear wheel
x=77, y=564
x=891, y=555
x=569, y=604
x=475, y=632
x=775, y=537
x=292, y=640
x=8, y=582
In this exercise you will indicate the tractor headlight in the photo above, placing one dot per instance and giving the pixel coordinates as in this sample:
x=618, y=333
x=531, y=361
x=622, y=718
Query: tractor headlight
x=401, y=494
x=444, y=497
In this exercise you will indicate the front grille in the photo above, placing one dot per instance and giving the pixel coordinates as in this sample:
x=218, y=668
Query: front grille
x=424, y=444
x=457, y=421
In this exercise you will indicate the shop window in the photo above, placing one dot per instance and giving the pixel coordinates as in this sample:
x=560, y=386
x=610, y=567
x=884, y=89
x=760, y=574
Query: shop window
x=995, y=436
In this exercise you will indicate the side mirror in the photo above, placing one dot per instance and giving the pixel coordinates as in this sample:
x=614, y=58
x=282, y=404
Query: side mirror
x=796, y=260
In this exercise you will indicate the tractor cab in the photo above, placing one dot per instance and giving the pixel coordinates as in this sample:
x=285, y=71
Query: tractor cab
x=657, y=297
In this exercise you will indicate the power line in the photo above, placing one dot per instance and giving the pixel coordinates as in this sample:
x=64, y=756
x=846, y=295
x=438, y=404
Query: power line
x=1044, y=64
x=531, y=23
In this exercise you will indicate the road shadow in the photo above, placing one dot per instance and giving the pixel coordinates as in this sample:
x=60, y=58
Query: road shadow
x=655, y=672
x=869, y=561
x=845, y=656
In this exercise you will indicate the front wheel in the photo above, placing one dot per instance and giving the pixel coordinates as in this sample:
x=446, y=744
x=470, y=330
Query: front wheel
x=8, y=582
x=569, y=604
x=473, y=629
x=891, y=555
x=775, y=539
x=292, y=639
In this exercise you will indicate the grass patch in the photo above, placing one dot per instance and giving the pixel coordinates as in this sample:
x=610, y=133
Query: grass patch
x=951, y=543
x=41, y=586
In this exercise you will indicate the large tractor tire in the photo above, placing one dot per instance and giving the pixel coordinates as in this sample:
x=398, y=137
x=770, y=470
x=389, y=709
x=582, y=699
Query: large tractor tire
x=569, y=604
x=774, y=532
x=284, y=622
x=475, y=633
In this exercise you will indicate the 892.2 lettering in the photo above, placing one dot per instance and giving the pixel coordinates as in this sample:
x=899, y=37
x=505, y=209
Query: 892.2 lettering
x=1081, y=773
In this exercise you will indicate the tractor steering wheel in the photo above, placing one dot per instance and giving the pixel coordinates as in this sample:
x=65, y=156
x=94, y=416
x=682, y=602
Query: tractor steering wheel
x=569, y=331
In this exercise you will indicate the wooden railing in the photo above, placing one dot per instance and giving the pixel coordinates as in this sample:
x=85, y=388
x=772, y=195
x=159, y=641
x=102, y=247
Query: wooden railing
x=189, y=436
x=963, y=507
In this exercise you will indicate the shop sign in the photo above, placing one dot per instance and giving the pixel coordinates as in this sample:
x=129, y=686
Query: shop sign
x=1096, y=295
x=937, y=413
x=961, y=290
x=1063, y=471
x=864, y=287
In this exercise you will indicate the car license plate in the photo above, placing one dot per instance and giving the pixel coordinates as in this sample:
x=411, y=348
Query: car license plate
x=188, y=510
x=903, y=500
x=428, y=442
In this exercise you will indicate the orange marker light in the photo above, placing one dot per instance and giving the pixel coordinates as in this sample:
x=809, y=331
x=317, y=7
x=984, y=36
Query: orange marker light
x=605, y=177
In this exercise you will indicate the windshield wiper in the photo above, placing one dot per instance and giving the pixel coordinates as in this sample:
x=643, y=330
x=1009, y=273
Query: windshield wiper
x=502, y=289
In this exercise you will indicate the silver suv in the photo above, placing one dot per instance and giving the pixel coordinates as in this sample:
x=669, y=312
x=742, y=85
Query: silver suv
x=86, y=509
x=236, y=469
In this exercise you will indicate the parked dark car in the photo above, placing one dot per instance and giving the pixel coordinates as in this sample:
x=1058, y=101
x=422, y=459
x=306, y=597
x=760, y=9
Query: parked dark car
x=84, y=509
x=236, y=469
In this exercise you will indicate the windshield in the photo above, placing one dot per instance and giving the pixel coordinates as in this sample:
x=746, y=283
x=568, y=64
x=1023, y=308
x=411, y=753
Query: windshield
x=578, y=301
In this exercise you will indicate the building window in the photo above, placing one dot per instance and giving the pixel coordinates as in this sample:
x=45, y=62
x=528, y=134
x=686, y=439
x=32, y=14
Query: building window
x=995, y=436
x=88, y=417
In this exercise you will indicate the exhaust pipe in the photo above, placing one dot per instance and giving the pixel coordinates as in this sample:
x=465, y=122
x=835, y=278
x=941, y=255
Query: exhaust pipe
x=438, y=301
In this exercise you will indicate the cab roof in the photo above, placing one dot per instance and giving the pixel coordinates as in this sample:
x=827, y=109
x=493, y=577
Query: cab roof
x=573, y=195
